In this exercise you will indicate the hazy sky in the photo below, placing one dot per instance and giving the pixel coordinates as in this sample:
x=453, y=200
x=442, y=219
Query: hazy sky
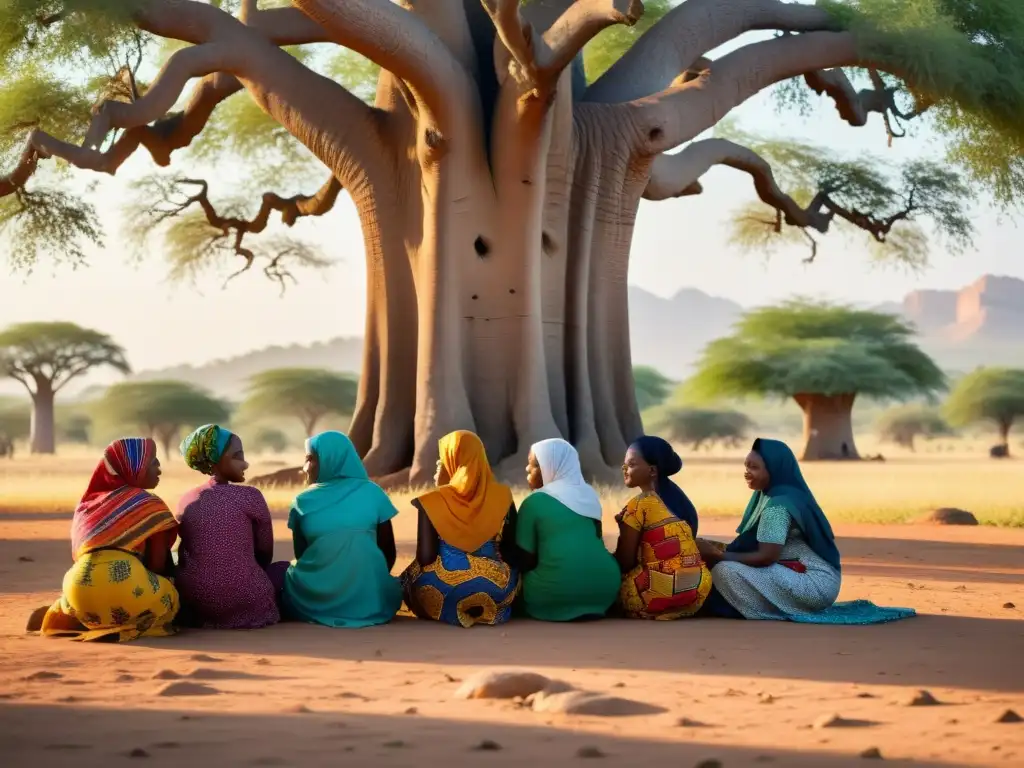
x=678, y=243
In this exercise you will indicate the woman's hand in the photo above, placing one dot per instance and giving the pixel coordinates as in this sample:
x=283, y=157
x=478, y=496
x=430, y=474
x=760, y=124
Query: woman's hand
x=711, y=552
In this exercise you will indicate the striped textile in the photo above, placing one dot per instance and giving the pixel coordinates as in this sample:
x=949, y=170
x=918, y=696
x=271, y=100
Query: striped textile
x=115, y=511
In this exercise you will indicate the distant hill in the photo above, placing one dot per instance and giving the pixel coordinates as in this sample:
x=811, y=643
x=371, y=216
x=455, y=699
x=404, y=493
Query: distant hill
x=981, y=324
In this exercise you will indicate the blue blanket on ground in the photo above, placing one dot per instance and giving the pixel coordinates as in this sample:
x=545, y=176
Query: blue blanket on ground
x=856, y=612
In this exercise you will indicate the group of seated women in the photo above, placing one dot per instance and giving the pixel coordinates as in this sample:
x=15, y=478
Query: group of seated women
x=479, y=559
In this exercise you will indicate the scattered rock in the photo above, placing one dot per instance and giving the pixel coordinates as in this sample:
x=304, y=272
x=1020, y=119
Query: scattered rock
x=591, y=704
x=872, y=753
x=43, y=674
x=451, y=679
x=205, y=673
x=505, y=685
x=138, y=752
x=205, y=658
x=685, y=722
x=487, y=746
x=619, y=685
x=69, y=700
x=124, y=678
x=26, y=559
x=837, y=721
x=167, y=674
x=1009, y=606
x=587, y=752
x=188, y=689
x=709, y=763
x=263, y=662
x=298, y=709
x=412, y=711
x=950, y=516
x=922, y=699
x=1009, y=716
x=766, y=698
x=866, y=695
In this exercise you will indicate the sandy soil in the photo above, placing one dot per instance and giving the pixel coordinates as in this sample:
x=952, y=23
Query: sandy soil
x=309, y=696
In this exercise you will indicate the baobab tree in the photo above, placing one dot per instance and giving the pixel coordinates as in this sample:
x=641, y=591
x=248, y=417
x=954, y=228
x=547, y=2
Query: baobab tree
x=46, y=357
x=498, y=185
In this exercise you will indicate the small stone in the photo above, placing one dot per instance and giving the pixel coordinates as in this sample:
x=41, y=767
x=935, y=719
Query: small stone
x=767, y=698
x=588, y=752
x=619, y=685
x=830, y=721
x=1009, y=716
x=872, y=753
x=124, y=678
x=709, y=763
x=685, y=722
x=487, y=746
x=412, y=711
x=204, y=657
x=26, y=559
x=138, y=752
x=866, y=695
x=502, y=685
x=299, y=709
x=167, y=674
x=1009, y=606
x=188, y=689
x=263, y=662
x=451, y=679
x=43, y=675
x=923, y=699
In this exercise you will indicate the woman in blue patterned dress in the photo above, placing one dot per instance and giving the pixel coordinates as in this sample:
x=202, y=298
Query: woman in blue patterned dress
x=464, y=572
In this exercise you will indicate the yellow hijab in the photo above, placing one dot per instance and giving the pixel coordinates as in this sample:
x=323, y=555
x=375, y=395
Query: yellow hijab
x=471, y=509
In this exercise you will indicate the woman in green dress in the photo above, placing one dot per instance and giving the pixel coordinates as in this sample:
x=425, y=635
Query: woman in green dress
x=344, y=542
x=569, y=574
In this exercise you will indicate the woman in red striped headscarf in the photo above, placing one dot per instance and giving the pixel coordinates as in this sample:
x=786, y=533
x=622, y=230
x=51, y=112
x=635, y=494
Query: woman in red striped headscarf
x=121, y=539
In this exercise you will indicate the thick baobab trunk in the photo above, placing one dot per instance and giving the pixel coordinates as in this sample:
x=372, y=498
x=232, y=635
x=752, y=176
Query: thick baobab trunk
x=828, y=427
x=43, y=437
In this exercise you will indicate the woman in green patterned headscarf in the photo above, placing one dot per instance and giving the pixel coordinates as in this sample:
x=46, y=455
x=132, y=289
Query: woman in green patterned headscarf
x=204, y=447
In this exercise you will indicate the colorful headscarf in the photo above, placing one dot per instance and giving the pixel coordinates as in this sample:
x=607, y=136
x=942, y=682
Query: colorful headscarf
x=341, y=479
x=115, y=511
x=204, y=447
x=659, y=453
x=563, y=478
x=471, y=509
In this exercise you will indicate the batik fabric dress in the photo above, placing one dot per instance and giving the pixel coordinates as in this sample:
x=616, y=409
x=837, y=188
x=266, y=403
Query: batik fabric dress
x=109, y=593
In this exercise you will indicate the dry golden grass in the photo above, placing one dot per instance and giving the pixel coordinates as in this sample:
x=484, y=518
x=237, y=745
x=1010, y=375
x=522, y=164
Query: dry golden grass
x=898, y=490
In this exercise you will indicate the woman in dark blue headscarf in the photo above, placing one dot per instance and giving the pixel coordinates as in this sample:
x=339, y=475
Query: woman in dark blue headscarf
x=784, y=564
x=660, y=455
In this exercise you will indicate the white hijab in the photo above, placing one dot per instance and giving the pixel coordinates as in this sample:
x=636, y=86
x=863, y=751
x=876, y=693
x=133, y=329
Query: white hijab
x=563, y=479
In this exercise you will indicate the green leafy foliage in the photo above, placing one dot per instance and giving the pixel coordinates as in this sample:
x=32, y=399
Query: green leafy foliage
x=162, y=410
x=609, y=45
x=902, y=425
x=308, y=394
x=697, y=427
x=270, y=440
x=652, y=387
x=56, y=353
x=908, y=195
x=988, y=394
x=805, y=347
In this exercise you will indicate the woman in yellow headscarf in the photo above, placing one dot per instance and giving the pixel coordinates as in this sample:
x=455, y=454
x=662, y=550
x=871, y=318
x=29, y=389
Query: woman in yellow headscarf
x=465, y=571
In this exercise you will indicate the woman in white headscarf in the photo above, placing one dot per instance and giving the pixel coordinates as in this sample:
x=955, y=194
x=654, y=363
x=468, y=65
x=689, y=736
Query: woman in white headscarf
x=569, y=574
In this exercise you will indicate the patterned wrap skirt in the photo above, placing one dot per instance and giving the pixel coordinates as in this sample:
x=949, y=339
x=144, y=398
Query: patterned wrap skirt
x=462, y=589
x=109, y=594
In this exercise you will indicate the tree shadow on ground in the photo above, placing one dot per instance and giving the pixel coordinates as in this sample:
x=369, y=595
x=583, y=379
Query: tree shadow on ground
x=88, y=737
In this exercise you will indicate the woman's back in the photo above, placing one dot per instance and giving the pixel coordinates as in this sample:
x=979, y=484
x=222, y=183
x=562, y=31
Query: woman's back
x=575, y=575
x=227, y=540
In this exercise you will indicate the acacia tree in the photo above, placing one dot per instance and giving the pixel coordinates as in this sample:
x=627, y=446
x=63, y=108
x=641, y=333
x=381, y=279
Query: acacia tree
x=989, y=394
x=162, y=410
x=44, y=358
x=652, y=387
x=308, y=394
x=497, y=182
x=904, y=424
x=702, y=426
x=822, y=357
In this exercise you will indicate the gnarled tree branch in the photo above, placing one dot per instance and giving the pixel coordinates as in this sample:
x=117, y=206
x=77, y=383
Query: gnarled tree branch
x=680, y=113
x=236, y=228
x=688, y=32
x=679, y=175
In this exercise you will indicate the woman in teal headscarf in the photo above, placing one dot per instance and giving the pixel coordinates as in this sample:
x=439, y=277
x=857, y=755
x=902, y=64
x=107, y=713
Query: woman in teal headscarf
x=344, y=543
x=784, y=564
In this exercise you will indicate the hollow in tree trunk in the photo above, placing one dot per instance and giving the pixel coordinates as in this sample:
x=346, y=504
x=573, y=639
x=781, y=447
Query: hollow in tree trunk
x=828, y=427
x=43, y=438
